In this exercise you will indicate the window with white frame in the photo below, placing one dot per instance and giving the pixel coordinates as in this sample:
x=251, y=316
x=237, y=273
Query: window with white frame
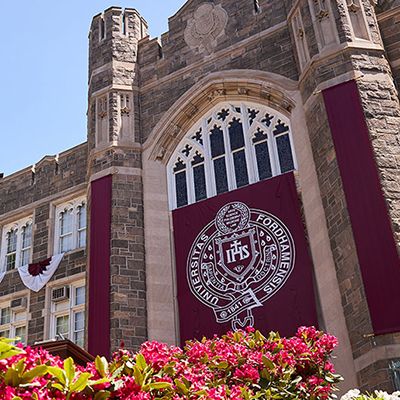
x=234, y=145
x=16, y=244
x=68, y=312
x=70, y=226
x=13, y=319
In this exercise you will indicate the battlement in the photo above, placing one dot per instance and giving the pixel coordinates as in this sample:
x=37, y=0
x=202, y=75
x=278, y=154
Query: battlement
x=115, y=22
x=114, y=34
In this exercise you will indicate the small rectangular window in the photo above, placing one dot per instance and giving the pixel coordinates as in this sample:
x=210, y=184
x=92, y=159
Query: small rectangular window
x=285, y=153
x=62, y=326
x=217, y=142
x=79, y=328
x=71, y=225
x=11, y=250
x=241, y=174
x=13, y=323
x=66, y=230
x=181, y=189
x=263, y=160
x=199, y=177
x=20, y=332
x=221, y=178
x=80, y=295
x=68, y=314
x=5, y=316
x=26, y=244
x=82, y=225
x=236, y=135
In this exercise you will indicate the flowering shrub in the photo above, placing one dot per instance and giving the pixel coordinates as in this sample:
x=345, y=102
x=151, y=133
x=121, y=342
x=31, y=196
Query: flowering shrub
x=241, y=365
x=355, y=394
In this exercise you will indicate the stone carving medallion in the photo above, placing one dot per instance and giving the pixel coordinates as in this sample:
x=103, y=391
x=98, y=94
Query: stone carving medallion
x=208, y=23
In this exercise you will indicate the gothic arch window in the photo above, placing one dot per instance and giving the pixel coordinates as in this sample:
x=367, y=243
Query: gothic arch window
x=234, y=145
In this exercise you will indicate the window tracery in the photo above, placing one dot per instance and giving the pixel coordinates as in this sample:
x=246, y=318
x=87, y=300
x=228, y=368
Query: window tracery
x=230, y=147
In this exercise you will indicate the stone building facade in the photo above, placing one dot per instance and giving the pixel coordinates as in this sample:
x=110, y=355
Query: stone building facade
x=144, y=96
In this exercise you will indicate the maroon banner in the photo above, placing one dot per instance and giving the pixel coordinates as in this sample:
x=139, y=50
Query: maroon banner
x=242, y=260
x=99, y=268
x=376, y=248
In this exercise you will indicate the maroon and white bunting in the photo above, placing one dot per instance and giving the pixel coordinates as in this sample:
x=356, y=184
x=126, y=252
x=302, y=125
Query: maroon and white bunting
x=36, y=275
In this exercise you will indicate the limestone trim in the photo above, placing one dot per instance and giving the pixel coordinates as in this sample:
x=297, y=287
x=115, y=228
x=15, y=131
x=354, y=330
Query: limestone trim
x=235, y=85
x=293, y=9
x=113, y=87
x=101, y=150
x=158, y=226
x=377, y=354
x=113, y=65
x=115, y=171
x=226, y=52
x=337, y=80
x=332, y=52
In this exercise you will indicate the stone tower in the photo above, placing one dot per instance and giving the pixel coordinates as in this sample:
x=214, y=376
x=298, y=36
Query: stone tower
x=114, y=152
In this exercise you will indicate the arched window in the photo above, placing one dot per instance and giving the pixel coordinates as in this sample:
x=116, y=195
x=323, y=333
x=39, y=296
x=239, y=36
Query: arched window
x=234, y=145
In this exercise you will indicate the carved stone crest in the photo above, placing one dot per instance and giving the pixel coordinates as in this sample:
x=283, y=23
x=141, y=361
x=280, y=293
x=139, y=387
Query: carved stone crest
x=208, y=23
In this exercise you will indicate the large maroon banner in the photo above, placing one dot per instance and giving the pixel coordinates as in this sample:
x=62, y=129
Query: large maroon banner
x=242, y=260
x=99, y=267
x=373, y=235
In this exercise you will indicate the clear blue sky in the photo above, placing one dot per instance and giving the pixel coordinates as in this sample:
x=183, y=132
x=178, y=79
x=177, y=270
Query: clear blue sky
x=43, y=72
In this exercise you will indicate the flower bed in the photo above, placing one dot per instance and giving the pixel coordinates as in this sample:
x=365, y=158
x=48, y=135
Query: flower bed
x=241, y=365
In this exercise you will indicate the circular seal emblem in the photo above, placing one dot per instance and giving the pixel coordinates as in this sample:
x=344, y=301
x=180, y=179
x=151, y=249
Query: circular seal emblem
x=238, y=261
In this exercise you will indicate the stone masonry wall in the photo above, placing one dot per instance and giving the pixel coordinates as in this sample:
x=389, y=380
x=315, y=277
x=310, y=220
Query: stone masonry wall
x=169, y=71
x=51, y=181
x=128, y=282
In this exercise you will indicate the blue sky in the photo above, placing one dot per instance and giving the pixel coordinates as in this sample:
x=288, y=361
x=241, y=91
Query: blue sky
x=43, y=72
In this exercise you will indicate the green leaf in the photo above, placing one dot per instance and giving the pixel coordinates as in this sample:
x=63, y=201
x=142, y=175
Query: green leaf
x=81, y=382
x=181, y=387
x=159, y=385
x=16, y=398
x=117, y=372
x=223, y=365
x=102, y=395
x=36, y=372
x=58, y=386
x=101, y=366
x=141, y=362
x=69, y=368
x=58, y=373
x=20, y=366
x=138, y=376
x=98, y=382
x=267, y=362
x=11, y=377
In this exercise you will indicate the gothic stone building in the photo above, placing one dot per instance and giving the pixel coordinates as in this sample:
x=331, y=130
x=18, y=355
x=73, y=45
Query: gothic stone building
x=235, y=95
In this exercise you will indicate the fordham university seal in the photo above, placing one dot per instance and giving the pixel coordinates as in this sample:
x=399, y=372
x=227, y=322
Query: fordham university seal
x=239, y=261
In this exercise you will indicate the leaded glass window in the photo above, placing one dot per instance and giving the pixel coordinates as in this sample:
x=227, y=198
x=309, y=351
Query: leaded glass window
x=232, y=146
x=70, y=225
x=16, y=244
x=11, y=249
x=26, y=244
